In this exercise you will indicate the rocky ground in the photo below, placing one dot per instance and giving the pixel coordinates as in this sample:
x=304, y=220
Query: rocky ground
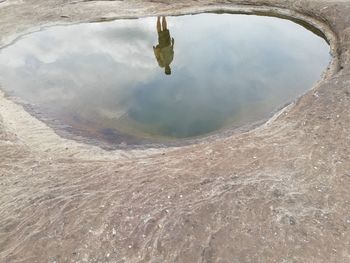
x=278, y=193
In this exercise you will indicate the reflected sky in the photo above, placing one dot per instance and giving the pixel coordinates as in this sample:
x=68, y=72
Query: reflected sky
x=104, y=80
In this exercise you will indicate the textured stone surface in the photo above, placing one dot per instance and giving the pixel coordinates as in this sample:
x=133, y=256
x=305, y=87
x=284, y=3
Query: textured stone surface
x=278, y=193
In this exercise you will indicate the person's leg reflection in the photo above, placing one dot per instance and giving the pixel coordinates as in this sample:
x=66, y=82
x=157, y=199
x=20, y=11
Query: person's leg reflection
x=159, y=27
x=164, y=24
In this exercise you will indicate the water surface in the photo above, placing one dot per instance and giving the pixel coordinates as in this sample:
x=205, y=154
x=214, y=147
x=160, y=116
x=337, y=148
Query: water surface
x=109, y=81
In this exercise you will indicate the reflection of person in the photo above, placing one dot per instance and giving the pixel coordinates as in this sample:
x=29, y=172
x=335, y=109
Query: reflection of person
x=164, y=51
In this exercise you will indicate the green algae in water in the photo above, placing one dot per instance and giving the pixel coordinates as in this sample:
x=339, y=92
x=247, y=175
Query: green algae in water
x=135, y=81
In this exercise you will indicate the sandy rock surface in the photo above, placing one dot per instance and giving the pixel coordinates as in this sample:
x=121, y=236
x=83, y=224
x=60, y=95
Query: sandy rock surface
x=278, y=193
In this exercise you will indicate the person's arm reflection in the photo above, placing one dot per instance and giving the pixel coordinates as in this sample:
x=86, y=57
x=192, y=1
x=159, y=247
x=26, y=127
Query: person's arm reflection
x=164, y=51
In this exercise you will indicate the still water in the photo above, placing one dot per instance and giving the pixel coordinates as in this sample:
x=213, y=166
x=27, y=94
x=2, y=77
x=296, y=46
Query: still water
x=149, y=79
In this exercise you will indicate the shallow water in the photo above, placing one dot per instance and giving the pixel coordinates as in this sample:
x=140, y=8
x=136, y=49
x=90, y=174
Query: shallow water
x=105, y=82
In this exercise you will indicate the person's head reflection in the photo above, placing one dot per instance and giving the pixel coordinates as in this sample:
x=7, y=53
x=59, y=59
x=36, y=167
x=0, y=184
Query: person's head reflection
x=164, y=51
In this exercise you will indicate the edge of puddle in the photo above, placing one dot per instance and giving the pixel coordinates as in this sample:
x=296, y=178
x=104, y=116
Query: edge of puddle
x=42, y=138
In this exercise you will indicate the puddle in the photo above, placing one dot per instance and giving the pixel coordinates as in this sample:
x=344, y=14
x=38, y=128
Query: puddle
x=123, y=82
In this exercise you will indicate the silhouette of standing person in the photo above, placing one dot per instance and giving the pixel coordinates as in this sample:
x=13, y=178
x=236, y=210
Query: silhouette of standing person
x=164, y=51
